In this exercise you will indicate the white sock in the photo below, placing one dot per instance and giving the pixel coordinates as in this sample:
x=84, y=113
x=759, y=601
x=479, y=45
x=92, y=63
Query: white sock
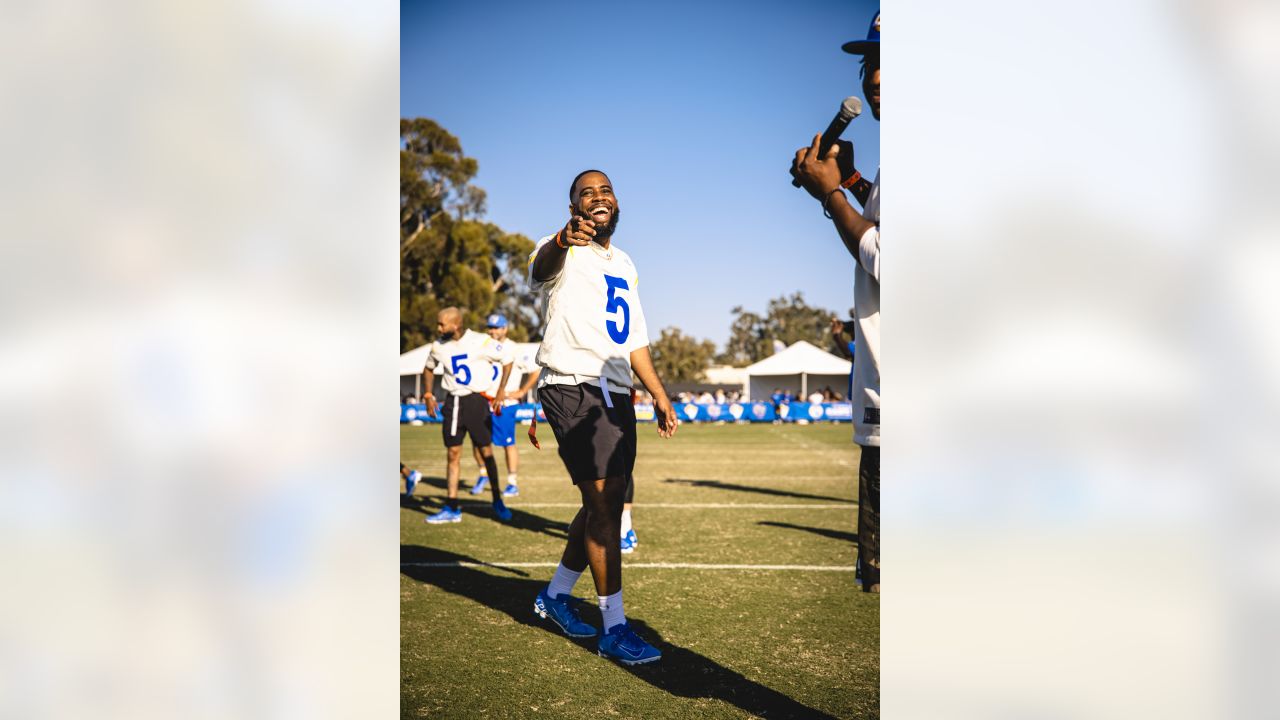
x=511, y=478
x=626, y=521
x=563, y=581
x=611, y=609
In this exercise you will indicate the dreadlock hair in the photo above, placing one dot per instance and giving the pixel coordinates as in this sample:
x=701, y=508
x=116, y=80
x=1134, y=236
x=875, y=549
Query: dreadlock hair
x=870, y=64
x=578, y=177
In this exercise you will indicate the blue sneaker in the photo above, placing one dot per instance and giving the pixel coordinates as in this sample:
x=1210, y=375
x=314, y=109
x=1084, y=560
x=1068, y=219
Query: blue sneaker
x=635, y=541
x=446, y=515
x=560, y=611
x=622, y=644
x=501, y=512
x=510, y=491
x=627, y=546
x=411, y=482
x=482, y=482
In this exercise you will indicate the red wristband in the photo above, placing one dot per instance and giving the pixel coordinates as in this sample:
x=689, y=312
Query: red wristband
x=851, y=180
x=560, y=244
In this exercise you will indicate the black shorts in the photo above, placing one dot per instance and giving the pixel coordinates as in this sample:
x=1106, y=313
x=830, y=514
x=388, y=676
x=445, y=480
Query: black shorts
x=595, y=441
x=467, y=414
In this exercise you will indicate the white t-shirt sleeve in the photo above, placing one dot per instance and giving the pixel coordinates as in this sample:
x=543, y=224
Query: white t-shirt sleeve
x=869, y=252
x=534, y=284
x=431, y=359
x=869, y=243
x=506, y=353
x=639, y=328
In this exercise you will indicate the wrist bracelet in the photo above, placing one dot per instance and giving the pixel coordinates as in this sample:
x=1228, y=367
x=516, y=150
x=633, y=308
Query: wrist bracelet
x=851, y=180
x=560, y=244
x=827, y=200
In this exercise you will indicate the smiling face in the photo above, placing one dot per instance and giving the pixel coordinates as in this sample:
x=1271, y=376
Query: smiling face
x=593, y=198
x=498, y=334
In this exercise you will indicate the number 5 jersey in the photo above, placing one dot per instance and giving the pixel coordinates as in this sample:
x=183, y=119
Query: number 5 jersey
x=591, y=317
x=472, y=363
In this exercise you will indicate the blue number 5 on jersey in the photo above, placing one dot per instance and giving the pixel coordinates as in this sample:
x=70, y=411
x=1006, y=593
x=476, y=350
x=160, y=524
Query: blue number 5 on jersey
x=617, y=304
x=460, y=371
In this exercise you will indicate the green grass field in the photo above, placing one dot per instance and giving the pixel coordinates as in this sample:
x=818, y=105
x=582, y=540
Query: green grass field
x=789, y=642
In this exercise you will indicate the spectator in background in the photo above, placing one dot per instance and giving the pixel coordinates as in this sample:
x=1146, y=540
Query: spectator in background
x=815, y=397
x=705, y=398
x=842, y=339
x=721, y=398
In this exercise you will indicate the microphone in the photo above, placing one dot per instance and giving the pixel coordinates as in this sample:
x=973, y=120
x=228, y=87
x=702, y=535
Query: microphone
x=849, y=109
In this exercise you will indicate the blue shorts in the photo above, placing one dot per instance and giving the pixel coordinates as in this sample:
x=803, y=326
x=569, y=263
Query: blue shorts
x=504, y=427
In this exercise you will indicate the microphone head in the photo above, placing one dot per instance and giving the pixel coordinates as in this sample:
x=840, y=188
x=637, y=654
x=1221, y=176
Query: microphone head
x=851, y=107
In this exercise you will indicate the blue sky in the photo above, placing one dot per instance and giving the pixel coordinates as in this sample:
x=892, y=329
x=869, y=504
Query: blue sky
x=694, y=109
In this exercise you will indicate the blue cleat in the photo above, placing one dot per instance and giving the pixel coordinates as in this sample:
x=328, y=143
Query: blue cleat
x=411, y=482
x=627, y=546
x=501, y=512
x=560, y=611
x=635, y=541
x=482, y=482
x=622, y=644
x=446, y=515
x=510, y=491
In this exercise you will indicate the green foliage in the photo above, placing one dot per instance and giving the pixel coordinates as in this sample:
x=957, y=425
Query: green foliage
x=680, y=358
x=448, y=256
x=788, y=320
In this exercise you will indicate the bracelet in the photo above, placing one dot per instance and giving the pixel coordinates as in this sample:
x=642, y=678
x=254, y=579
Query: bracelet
x=826, y=200
x=851, y=180
x=560, y=244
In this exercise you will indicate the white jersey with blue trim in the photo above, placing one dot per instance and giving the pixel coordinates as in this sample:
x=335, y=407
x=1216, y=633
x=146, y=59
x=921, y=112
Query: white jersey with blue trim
x=469, y=363
x=591, y=317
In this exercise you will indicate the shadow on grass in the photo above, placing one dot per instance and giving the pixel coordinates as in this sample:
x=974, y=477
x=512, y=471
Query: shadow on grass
x=482, y=511
x=833, y=534
x=681, y=672
x=716, y=484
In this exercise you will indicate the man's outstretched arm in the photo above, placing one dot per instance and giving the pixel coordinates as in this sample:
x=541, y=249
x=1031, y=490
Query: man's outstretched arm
x=549, y=260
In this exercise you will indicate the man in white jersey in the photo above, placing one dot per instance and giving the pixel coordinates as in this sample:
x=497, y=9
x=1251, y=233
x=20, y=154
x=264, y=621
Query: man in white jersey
x=468, y=359
x=594, y=336
x=826, y=178
x=504, y=424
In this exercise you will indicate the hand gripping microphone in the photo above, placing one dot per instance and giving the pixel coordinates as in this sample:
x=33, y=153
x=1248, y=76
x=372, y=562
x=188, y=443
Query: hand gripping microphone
x=849, y=109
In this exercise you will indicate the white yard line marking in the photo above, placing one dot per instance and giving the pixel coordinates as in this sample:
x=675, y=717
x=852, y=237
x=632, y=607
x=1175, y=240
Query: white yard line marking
x=642, y=566
x=752, y=506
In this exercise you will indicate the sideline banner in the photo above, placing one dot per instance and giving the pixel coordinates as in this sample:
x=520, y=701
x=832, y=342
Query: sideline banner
x=688, y=412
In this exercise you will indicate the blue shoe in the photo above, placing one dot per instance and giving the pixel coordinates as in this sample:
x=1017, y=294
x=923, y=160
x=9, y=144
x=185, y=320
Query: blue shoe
x=560, y=611
x=482, y=482
x=411, y=482
x=627, y=546
x=635, y=541
x=510, y=491
x=501, y=512
x=446, y=515
x=622, y=644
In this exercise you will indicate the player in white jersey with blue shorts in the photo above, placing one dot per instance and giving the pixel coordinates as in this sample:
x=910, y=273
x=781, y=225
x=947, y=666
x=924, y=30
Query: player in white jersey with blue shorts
x=468, y=359
x=594, y=336
x=504, y=424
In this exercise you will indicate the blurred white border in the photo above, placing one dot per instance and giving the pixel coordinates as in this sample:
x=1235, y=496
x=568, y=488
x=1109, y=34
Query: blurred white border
x=199, y=321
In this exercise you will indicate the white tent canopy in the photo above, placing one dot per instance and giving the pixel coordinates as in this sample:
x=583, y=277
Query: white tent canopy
x=799, y=368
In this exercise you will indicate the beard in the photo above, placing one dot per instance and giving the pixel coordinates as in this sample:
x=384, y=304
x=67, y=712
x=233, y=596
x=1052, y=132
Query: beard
x=604, y=232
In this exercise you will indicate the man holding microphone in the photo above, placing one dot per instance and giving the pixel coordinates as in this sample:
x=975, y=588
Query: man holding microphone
x=826, y=174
